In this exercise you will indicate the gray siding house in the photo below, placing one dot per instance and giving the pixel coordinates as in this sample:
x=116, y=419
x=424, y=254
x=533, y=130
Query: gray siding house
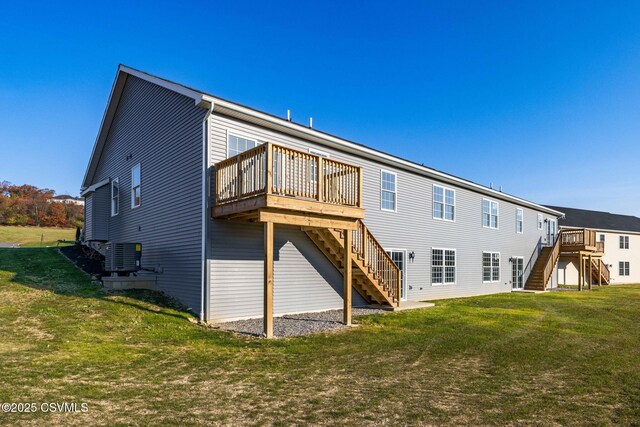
x=198, y=179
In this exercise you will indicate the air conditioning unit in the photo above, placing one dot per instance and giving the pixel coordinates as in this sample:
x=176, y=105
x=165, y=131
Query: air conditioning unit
x=123, y=257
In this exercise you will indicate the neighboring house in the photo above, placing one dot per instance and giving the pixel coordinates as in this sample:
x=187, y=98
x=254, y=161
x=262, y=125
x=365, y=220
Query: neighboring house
x=200, y=181
x=619, y=236
x=68, y=200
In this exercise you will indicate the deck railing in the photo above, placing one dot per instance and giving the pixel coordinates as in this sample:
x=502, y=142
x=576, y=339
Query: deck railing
x=604, y=270
x=376, y=258
x=274, y=169
x=575, y=238
x=599, y=246
x=553, y=258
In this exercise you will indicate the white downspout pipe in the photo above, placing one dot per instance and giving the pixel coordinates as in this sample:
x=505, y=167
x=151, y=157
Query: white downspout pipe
x=205, y=216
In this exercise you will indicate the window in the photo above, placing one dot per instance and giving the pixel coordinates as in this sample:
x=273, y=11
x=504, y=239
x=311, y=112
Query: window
x=490, y=267
x=624, y=242
x=489, y=213
x=624, y=268
x=388, y=191
x=443, y=266
x=602, y=238
x=135, y=186
x=444, y=203
x=115, y=197
x=539, y=221
x=519, y=220
x=238, y=144
x=313, y=170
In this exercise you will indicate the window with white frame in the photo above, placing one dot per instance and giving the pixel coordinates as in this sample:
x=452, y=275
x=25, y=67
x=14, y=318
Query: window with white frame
x=624, y=242
x=444, y=203
x=115, y=197
x=388, y=191
x=238, y=144
x=624, y=268
x=519, y=220
x=443, y=266
x=489, y=213
x=602, y=238
x=540, y=221
x=490, y=267
x=135, y=186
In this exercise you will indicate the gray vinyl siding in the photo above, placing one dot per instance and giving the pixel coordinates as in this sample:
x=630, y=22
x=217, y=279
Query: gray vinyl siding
x=88, y=220
x=411, y=228
x=162, y=131
x=100, y=213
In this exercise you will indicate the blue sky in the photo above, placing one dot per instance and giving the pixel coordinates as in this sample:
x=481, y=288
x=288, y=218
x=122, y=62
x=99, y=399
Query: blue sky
x=540, y=98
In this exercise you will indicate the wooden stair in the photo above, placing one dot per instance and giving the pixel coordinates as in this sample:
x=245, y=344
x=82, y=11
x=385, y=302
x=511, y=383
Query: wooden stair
x=375, y=276
x=544, y=265
x=604, y=271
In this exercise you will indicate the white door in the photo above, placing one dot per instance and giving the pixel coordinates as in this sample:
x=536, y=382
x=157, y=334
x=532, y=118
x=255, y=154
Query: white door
x=399, y=257
x=517, y=267
x=551, y=232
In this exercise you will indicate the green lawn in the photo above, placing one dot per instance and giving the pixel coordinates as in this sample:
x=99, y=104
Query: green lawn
x=564, y=358
x=31, y=236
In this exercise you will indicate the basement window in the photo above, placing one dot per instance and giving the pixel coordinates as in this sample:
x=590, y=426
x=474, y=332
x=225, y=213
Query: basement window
x=624, y=268
x=443, y=266
x=490, y=267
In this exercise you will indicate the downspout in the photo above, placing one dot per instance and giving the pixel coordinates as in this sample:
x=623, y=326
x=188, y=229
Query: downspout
x=205, y=217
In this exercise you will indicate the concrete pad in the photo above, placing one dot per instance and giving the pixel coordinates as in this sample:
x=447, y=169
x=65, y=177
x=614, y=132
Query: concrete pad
x=405, y=305
x=117, y=283
x=6, y=245
x=527, y=291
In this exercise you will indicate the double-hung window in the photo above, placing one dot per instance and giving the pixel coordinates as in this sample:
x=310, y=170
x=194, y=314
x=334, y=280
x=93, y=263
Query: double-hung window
x=490, y=267
x=602, y=238
x=539, y=221
x=238, y=144
x=624, y=242
x=136, y=186
x=519, y=220
x=115, y=197
x=443, y=266
x=489, y=213
x=444, y=203
x=388, y=191
x=624, y=268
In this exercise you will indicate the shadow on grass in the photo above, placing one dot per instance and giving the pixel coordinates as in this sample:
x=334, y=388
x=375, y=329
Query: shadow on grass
x=48, y=269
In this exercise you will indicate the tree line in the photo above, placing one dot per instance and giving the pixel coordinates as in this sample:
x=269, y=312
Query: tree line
x=30, y=205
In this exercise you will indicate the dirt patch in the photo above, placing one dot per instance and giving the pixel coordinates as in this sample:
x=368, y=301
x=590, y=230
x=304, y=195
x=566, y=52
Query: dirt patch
x=87, y=259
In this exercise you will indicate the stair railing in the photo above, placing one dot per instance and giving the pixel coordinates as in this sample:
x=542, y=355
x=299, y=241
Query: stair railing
x=532, y=259
x=376, y=258
x=553, y=259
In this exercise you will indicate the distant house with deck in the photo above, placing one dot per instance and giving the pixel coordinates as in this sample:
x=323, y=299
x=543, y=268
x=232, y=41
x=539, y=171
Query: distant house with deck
x=245, y=214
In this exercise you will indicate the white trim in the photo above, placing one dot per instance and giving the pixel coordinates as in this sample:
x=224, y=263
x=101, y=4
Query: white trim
x=395, y=205
x=521, y=211
x=205, y=290
x=491, y=267
x=497, y=213
x=624, y=269
x=133, y=205
x=319, y=153
x=624, y=238
x=94, y=187
x=601, y=230
x=444, y=204
x=455, y=254
x=540, y=223
x=404, y=284
x=523, y=283
x=116, y=180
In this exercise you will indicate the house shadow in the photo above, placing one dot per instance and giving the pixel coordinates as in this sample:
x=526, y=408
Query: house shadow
x=48, y=269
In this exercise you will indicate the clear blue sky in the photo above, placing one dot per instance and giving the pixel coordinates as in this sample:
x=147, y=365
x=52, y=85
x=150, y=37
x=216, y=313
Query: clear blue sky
x=543, y=99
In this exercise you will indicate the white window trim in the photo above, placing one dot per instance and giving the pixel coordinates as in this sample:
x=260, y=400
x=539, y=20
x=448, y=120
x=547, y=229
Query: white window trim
x=627, y=240
x=133, y=205
x=540, y=222
x=499, y=267
x=405, y=282
x=115, y=180
x=444, y=195
x=522, y=212
x=238, y=135
x=622, y=264
x=497, y=213
x=395, y=192
x=455, y=253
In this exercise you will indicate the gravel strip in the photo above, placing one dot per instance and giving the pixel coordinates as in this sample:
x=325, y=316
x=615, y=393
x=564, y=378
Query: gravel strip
x=296, y=325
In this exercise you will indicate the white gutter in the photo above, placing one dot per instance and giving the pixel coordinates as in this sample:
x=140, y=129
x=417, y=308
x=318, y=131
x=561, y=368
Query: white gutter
x=204, y=285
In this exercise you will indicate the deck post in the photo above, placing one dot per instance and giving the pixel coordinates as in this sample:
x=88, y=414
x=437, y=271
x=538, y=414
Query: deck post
x=580, y=271
x=348, y=237
x=590, y=272
x=268, y=280
x=600, y=272
x=320, y=179
x=268, y=158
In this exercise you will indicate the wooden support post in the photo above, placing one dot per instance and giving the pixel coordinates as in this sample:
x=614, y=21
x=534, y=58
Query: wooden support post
x=320, y=179
x=360, y=171
x=268, y=158
x=600, y=272
x=268, y=280
x=580, y=272
x=348, y=237
x=590, y=272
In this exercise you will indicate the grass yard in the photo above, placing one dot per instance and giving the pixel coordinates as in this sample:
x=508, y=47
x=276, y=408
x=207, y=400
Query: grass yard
x=564, y=358
x=31, y=236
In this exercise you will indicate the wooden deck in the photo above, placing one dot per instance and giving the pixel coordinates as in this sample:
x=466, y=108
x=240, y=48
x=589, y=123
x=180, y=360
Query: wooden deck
x=580, y=240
